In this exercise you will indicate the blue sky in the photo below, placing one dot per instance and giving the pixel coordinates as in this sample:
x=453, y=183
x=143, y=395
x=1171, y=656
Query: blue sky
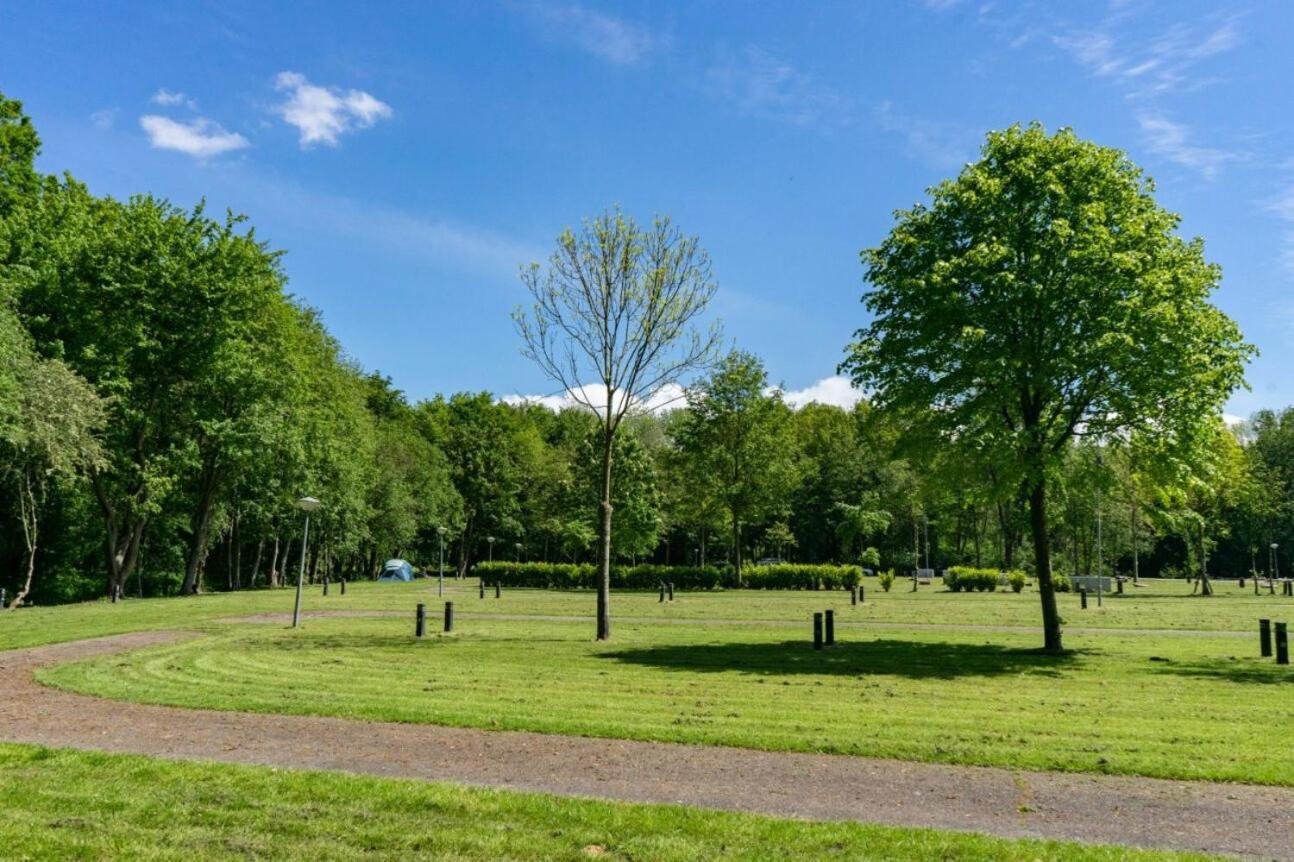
x=409, y=157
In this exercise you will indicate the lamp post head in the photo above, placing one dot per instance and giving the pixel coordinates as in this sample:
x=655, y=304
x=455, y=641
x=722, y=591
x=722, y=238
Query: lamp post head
x=490, y=539
x=1273, y=546
x=308, y=504
x=440, y=530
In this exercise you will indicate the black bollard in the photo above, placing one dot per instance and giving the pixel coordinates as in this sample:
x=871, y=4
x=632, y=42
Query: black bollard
x=831, y=628
x=817, y=631
x=449, y=616
x=498, y=588
x=1242, y=583
x=1282, y=644
x=853, y=596
x=325, y=583
x=1082, y=595
x=861, y=598
x=1120, y=586
x=482, y=587
x=343, y=586
x=1265, y=638
x=671, y=590
x=420, y=621
x=662, y=592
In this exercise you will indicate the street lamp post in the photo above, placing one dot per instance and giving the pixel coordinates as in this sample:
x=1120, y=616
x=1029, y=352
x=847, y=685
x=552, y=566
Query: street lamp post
x=307, y=505
x=518, y=552
x=440, y=584
x=1275, y=562
x=490, y=539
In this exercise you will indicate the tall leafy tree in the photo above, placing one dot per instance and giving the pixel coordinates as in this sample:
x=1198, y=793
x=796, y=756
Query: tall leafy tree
x=740, y=437
x=613, y=321
x=1042, y=295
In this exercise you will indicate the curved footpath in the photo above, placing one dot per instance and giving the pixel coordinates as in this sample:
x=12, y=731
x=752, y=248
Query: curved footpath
x=1219, y=818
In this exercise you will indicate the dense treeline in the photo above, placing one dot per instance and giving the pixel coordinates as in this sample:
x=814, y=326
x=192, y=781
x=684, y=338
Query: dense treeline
x=164, y=402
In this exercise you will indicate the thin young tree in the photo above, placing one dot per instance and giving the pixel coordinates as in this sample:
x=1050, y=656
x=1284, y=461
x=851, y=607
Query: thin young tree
x=616, y=318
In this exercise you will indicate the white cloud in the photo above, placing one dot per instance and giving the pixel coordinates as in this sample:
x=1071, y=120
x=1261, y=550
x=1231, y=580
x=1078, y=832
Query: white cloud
x=1162, y=64
x=1283, y=207
x=201, y=138
x=668, y=397
x=1232, y=420
x=834, y=390
x=759, y=83
x=1172, y=141
x=615, y=40
x=938, y=144
x=323, y=114
x=168, y=99
x=104, y=119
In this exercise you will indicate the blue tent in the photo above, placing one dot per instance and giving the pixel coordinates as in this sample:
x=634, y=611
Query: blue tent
x=396, y=570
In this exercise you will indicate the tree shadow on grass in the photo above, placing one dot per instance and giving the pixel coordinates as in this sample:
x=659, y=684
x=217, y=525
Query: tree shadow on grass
x=1228, y=670
x=915, y=660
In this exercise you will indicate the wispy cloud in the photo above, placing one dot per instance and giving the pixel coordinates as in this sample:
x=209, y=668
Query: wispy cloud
x=615, y=40
x=940, y=145
x=200, y=138
x=759, y=83
x=170, y=99
x=104, y=119
x=323, y=114
x=1148, y=67
x=1283, y=207
x=1172, y=141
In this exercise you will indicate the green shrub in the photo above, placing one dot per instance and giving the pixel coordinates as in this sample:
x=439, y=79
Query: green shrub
x=647, y=576
x=1061, y=583
x=887, y=579
x=959, y=578
x=1016, y=579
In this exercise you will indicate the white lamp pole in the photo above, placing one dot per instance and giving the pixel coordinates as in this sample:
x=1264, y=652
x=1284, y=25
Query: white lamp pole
x=441, y=582
x=307, y=505
x=490, y=539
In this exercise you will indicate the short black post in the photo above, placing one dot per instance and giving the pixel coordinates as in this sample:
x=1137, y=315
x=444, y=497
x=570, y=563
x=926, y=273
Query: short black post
x=670, y=588
x=420, y=621
x=1242, y=583
x=113, y=593
x=449, y=616
x=482, y=587
x=1265, y=638
x=325, y=582
x=860, y=594
x=1120, y=586
x=853, y=596
x=831, y=628
x=498, y=588
x=343, y=586
x=1082, y=595
x=817, y=630
x=1282, y=644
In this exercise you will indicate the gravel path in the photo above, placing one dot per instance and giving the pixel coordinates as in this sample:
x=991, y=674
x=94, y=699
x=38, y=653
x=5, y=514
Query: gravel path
x=1221, y=818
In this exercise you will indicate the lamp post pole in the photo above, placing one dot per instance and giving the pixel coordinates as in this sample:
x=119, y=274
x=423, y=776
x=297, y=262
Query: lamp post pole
x=518, y=552
x=307, y=505
x=490, y=539
x=440, y=584
x=1099, y=560
x=1275, y=561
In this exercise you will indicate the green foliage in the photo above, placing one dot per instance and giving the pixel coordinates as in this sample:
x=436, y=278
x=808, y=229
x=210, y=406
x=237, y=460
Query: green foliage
x=790, y=576
x=886, y=579
x=968, y=579
x=1016, y=579
x=573, y=576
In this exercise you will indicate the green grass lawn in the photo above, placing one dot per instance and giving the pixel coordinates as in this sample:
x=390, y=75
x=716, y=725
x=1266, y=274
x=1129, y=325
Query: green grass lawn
x=71, y=805
x=1159, y=605
x=1173, y=707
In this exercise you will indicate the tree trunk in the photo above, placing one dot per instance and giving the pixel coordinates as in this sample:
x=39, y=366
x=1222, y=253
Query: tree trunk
x=604, y=562
x=736, y=546
x=1042, y=561
x=208, y=488
x=256, y=562
x=29, y=514
x=274, y=579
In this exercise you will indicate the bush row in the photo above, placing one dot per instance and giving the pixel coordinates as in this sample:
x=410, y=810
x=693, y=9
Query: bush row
x=577, y=576
x=966, y=578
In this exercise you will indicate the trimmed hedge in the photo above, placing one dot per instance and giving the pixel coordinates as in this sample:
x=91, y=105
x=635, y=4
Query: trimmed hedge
x=968, y=579
x=583, y=576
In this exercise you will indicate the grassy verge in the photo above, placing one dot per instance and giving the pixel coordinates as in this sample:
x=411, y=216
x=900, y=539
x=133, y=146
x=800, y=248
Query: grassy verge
x=1165, y=707
x=1159, y=605
x=71, y=805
